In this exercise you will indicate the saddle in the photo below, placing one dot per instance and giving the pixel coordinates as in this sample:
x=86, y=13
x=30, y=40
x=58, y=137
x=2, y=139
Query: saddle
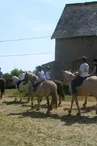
x=35, y=85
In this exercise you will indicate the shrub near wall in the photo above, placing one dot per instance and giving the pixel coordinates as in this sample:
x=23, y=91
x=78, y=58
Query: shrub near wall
x=66, y=88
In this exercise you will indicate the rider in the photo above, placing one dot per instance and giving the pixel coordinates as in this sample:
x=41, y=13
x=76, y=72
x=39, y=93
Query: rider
x=21, y=78
x=95, y=67
x=83, y=73
x=41, y=77
x=47, y=73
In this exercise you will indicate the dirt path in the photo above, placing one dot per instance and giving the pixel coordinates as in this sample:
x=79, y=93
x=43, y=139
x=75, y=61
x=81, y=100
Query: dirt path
x=21, y=126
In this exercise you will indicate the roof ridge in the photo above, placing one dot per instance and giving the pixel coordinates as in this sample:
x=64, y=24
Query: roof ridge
x=84, y=3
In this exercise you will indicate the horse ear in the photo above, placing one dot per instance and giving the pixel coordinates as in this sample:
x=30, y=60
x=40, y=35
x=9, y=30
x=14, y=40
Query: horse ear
x=63, y=71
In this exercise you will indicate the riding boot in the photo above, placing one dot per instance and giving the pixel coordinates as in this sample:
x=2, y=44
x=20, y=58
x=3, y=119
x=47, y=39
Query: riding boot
x=36, y=84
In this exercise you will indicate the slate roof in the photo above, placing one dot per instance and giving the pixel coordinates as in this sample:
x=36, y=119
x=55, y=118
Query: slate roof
x=77, y=20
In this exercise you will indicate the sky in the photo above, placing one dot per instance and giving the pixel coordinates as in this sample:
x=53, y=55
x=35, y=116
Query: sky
x=20, y=19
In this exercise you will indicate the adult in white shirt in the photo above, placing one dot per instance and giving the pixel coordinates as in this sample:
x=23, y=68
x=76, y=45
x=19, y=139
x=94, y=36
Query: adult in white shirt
x=82, y=74
x=41, y=77
x=21, y=78
x=47, y=73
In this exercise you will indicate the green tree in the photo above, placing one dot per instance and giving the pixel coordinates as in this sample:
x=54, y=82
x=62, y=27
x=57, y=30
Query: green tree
x=7, y=76
x=34, y=71
x=15, y=72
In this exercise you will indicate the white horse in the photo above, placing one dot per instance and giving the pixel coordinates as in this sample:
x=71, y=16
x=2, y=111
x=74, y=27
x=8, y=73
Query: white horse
x=88, y=87
x=22, y=87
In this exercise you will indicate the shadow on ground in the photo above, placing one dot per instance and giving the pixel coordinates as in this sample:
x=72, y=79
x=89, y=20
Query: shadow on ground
x=67, y=119
x=13, y=102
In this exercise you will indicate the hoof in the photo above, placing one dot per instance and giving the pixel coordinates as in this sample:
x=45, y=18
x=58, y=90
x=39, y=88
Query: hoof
x=48, y=113
x=37, y=109
x=41, y=100
x=51, y=108
x=15, y=100
x=69, y=112
x=84, y=105
x=59, y=103
x=78, y=114
x=28, y=100
x=32, y=107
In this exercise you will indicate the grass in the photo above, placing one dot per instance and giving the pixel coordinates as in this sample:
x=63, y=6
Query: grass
x=21, y=126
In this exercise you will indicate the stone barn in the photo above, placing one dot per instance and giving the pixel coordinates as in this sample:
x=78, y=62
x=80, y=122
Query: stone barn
x=75, y=36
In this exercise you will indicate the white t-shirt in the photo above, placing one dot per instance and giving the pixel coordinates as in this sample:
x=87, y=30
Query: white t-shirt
x=47, y=75
x=84, y=68
x=21, y=76
x=41, y=75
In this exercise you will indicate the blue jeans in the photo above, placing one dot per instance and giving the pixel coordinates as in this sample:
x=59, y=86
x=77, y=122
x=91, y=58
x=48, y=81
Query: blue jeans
x=77, y=81
x=18, y=83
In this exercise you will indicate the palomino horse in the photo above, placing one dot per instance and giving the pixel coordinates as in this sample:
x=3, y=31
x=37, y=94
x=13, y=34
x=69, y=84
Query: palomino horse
x=2, y=86
x=60, y=88
x=22, y=87
x=68, y=76
x=46, y=88
x=88, y=87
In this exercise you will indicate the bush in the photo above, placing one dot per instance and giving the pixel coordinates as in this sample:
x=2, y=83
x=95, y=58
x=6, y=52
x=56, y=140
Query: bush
x=66, y=88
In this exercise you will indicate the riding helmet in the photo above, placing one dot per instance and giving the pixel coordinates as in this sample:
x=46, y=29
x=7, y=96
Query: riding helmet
x=84, y=58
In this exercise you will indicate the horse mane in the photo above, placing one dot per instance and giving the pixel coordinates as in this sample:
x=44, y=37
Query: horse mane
x=31, y=74
x=69, y=73
x=14, y=77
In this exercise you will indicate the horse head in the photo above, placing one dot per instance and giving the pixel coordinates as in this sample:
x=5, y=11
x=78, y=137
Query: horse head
x=15, y=79
x=68, y=76
x=30, y=77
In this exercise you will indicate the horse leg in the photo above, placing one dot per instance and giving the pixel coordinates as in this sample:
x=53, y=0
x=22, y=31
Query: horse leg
x=72, y=101
x=49, y=108
x=60, y=99
x=28, y=98
x=96, y=105
x=32, y=103
x=38, y=103
x=15, y=99
x=0, y=94
x=20, y=97
x=29, y=95
x=77, y=104
x=84, y=105
x=40, y=98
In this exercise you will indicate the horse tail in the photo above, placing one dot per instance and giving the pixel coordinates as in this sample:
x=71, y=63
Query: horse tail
x=60, y=89
x=54, y=96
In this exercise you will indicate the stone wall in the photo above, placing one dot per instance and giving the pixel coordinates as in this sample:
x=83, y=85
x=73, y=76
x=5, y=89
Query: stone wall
x=69, y=51
x=73, y=48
